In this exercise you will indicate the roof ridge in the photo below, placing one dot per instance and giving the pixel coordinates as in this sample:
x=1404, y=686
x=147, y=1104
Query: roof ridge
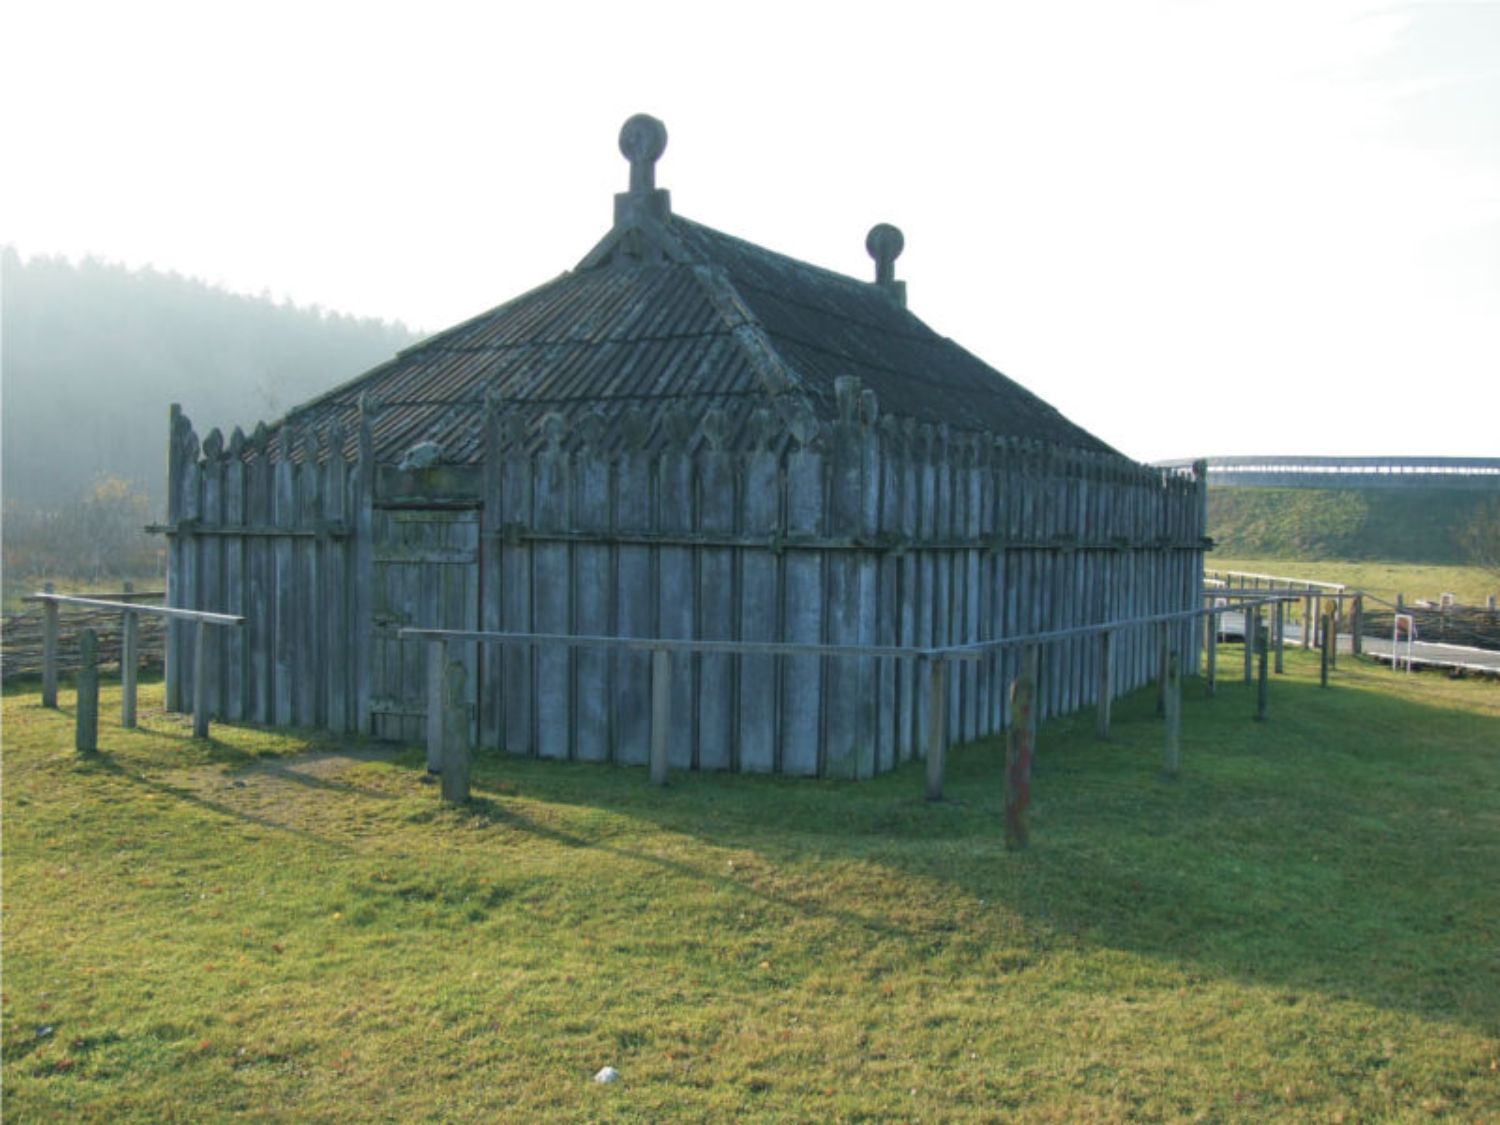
x=771, y=368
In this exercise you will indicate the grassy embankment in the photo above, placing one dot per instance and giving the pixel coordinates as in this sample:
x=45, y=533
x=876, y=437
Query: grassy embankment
x=1469, y=584
x=1303, y=927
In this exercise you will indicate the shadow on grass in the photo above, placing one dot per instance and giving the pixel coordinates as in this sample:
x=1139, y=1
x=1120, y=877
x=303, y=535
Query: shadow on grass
x=1345, y=847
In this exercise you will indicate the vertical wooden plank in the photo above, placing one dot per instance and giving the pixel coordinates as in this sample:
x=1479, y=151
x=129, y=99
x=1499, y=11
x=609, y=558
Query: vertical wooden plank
x=516, y=558
x=284, y=579
x=924, y=570
x=335, y=601
x=362, y=565
x=634, y=594
x=259, y=627
x=553, y=594
x=759, y=607
x=177, y=425
x=716, y=599
x=309, y=665
x=888, y=602
x=592, y=595
x=493, y=658
x=677, y=595
x=908, y=568
x=661, y=715
x=210, y=577
x=802, y=687
x=848, y=750
x=189, y=587
x=235, y=578
x=969, y=670
x=86, y=728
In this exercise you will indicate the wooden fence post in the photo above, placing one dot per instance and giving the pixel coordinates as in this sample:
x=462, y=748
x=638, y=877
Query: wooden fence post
x=1020, y=748
x=200, y=680
x=937, y=714
x=1213, y=652
x=129, y=640
x=1327, y=641
x=1334, y=618
x=1174, y=714
x=1105, y=700
x=49, y=651
x=1307, y=622
x=1357, y=626
x=437, y=664
x=1249, y=615
x=87, y=734
x=1280, y=628
x=455, y=733
x=1260, y=683
x=661, y=713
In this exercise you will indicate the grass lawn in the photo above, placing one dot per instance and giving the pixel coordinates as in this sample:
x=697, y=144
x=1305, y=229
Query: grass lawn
x=1304, y=926
x=1469, y=584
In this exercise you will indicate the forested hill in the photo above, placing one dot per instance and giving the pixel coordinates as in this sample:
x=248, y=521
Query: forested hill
x=92, y=354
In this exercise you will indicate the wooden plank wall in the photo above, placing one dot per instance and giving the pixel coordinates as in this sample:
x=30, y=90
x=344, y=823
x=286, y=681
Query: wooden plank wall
x=261, y=528
x=859, y=531
x=862, y=530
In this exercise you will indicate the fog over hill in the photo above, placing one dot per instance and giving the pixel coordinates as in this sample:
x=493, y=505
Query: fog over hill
x=93, y=353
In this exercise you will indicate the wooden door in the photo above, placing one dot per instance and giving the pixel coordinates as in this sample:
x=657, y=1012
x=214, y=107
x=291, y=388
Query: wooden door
x=426, y=575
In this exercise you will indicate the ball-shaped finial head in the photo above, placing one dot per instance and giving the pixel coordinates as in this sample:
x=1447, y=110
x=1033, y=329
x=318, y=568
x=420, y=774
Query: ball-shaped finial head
x=643, y=139
x=884, y=242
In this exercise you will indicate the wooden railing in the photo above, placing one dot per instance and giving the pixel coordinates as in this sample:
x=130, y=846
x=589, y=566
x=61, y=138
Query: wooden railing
x=449, y=738
x=88, y=676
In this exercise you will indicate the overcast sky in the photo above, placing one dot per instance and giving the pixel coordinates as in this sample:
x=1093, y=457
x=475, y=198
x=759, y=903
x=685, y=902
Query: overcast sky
x=1195, y=228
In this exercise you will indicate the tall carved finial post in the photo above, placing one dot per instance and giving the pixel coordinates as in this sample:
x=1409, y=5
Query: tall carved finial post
x=885, y=243
x=642, y=141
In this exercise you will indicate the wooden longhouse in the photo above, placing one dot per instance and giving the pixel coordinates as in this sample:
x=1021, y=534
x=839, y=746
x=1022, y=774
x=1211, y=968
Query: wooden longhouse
x=685, y=436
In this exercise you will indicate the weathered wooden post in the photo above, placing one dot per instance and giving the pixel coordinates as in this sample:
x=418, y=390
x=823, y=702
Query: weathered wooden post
x=1020, y=748
x=129, y=639
x=1174, y=715
x=1327, y=642
x=1105, y=691
x=1213, y=651
x=1248, y=614
x=437, y=664
x=200, y=680
x=937, y=715
x=1307, y=622
x=1260, y=683
x=1280, y=628
x=49, y=650
x=1335, y=616
x=661, y=713
x=1357, y=625
x=455, y=727
x=87, y=731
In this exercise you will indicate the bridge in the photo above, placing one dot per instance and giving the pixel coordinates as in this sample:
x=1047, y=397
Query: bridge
x=1473, y=473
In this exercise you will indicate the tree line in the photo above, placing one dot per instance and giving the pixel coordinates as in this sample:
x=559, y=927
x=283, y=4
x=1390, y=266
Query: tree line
x=91, y=355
